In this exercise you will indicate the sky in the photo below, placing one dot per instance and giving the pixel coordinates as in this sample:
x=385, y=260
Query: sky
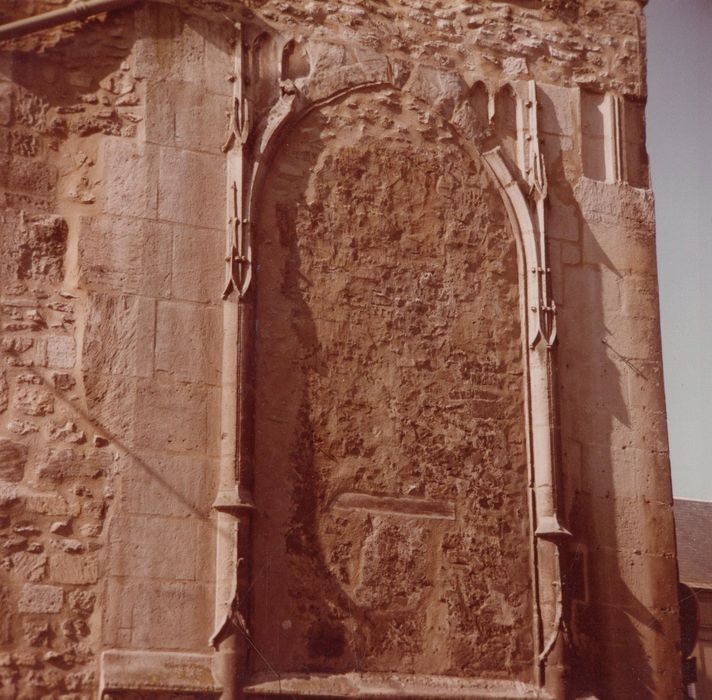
x=679, y=137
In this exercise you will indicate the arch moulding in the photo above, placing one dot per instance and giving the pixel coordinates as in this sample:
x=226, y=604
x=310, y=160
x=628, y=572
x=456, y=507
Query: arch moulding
x=250, y=150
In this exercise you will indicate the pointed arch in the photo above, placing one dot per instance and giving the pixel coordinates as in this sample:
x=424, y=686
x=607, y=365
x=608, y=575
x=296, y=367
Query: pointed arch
x=313, y=93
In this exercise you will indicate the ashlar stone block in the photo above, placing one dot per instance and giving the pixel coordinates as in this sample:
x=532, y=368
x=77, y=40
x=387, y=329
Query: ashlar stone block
x=183, y=115
x=37, y=598
x=198, y=264
x=632, y=339
x=639, y=295
x=60, y=465
x=125, y=255
x=110, y=401
x=623, y=249
x=153, y=547
x=594, y=290
x=218, y=58
x=131, y=178
x=564, y=222
x=182, y=330
x=170, y=485
x=61, y=351
x=76, y=569
x=157, y=614
x=171, y=47
x=615, y=204
x=29, y=566
x=171, y=416
x=557, y=114
x=192, y=188
x=653, y=474
x=166, y=672
x=50, y=504
x=644, y=382
x=13, y=456
x=119, y=335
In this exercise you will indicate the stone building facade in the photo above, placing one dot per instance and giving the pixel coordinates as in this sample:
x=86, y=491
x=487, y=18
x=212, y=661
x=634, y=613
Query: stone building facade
x=330, y=354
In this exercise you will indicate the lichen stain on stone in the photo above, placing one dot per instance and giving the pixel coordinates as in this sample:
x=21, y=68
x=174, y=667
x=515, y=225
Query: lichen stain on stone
x=389, y=364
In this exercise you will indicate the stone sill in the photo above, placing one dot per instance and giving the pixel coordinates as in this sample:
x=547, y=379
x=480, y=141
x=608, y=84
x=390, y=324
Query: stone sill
x=149, y=673
x=388, y=685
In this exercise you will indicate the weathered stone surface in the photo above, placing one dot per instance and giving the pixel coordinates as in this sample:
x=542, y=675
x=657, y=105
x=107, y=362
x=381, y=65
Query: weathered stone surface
x=6, y=620
x=174, y=109
x=13, y=457
x=153, y=547
x=82, y=601
x=171, y=485
x=197, y=270
x=564, y=223
x=36, y=633
x=67, y=433
x=132, y=179
x=33, y=401
x=21, y=427
x=7, y=94
x=4, y=392
x=111, y=400
x=41, y=599
x=420, y=290
x=396, y=428
x=180, y=350
x=558, y=109
x=64, y=464
x=74, y=569
x=29, y=566
x=605, y=203
x=172, y=416
x=118, y=329
x=121, y=253
x=182, y=60
x=33, y=248
x=165, y=671
x=26, y=175
x=61, y=352
x=188, y=184
x=50, y=504
x=150, y=622
x=63, y=381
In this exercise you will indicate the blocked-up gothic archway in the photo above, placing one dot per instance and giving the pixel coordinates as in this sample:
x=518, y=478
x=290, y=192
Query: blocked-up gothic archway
x=392, y=532
x=367, y=468
x=307, y=496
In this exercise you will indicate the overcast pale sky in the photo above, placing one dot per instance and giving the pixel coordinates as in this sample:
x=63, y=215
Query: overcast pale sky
x=679, y=118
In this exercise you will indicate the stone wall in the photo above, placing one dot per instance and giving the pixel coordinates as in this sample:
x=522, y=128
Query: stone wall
x=111, y=239
x=397, y=469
